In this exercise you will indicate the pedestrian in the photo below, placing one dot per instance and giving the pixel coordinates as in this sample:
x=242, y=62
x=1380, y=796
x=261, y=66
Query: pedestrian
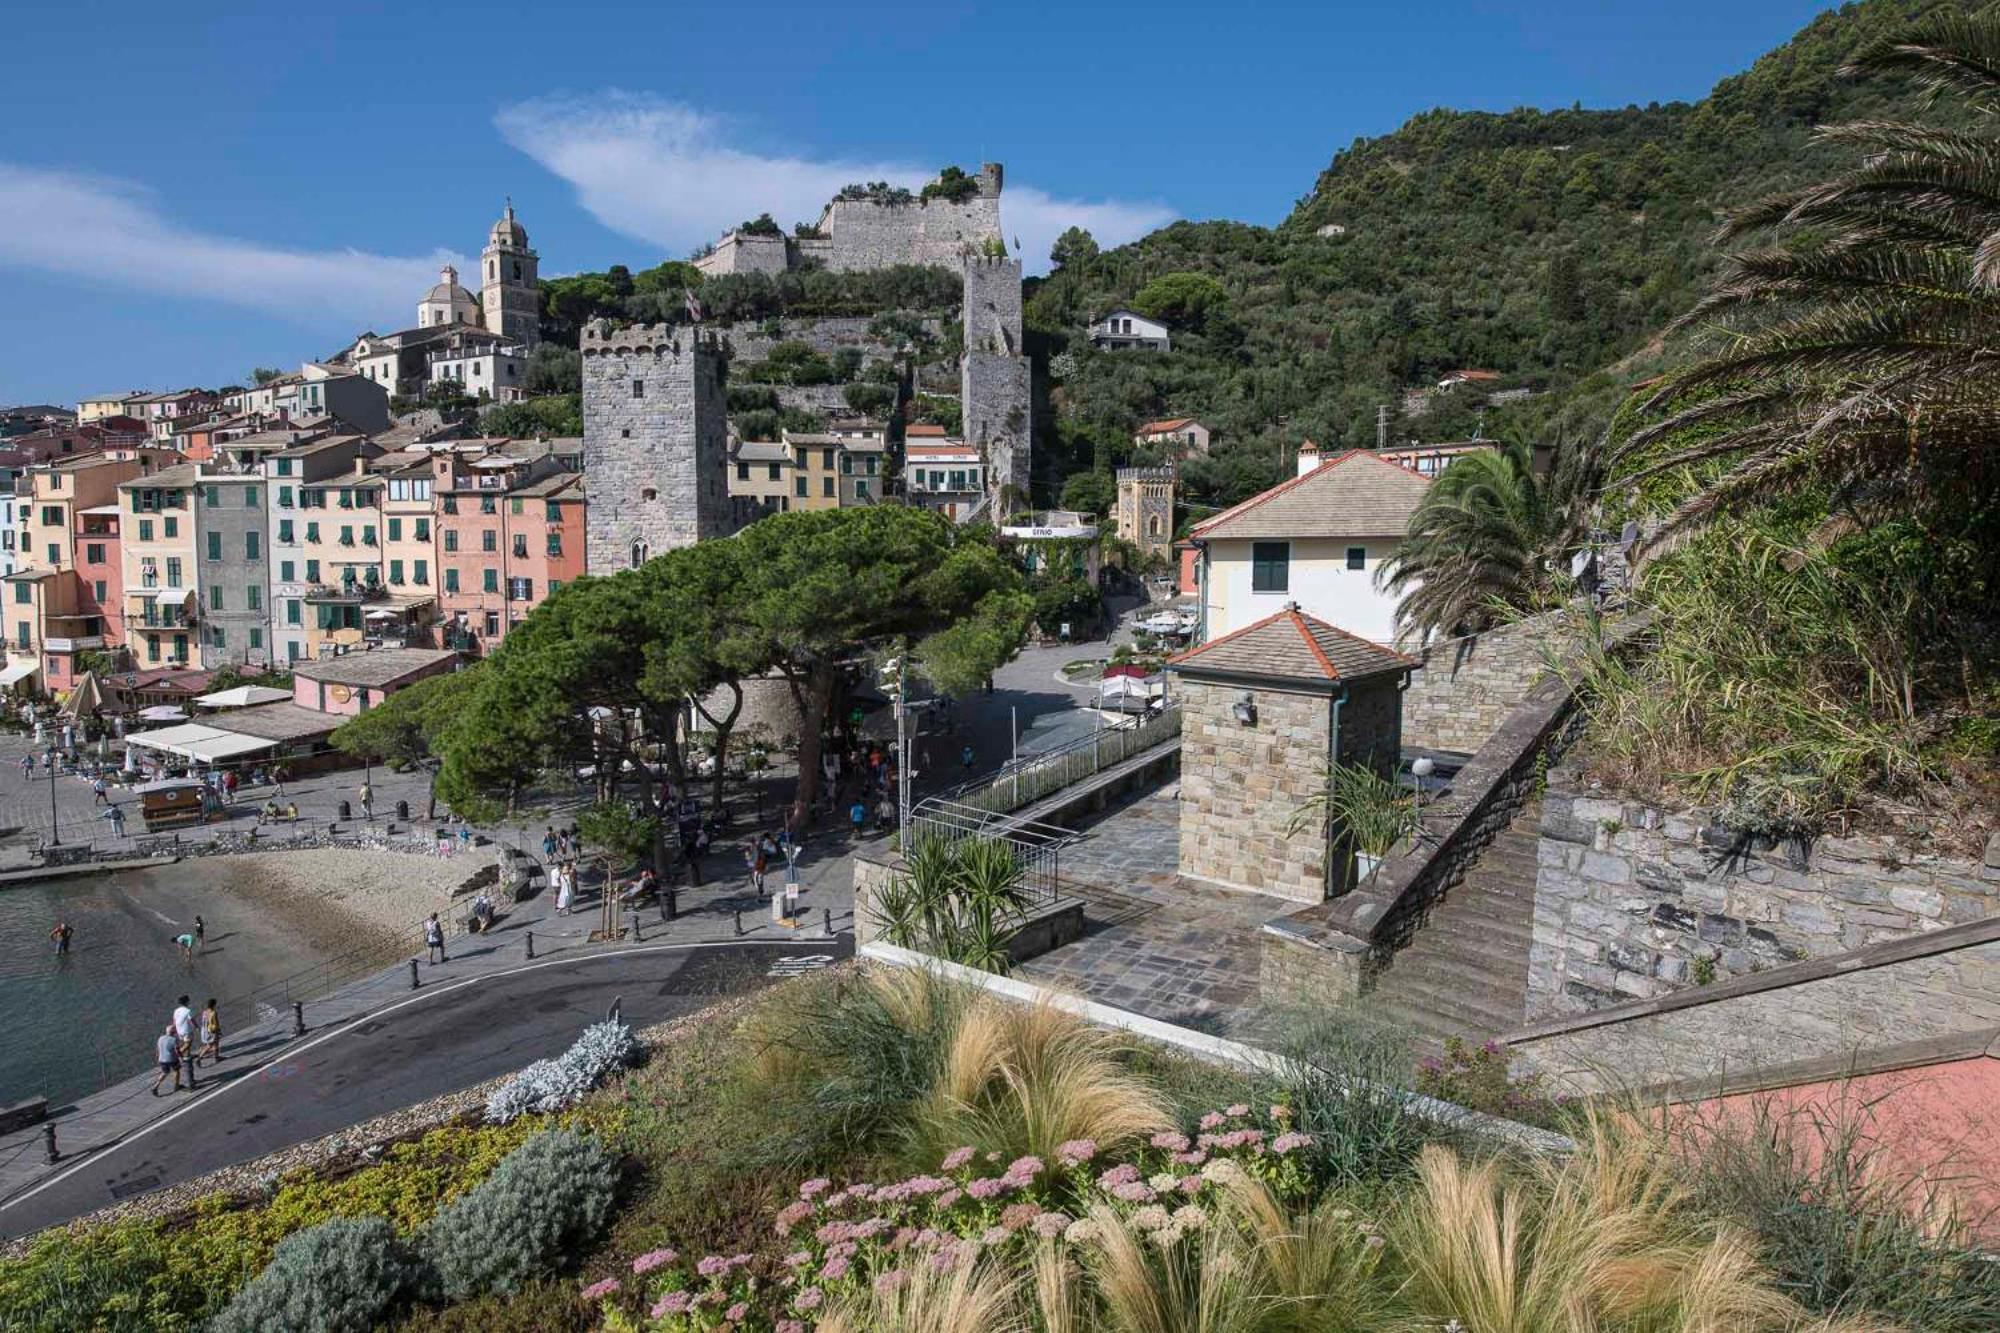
x=434, y=939
x=753, y=855
x=183, y=1024
x=211, y=1032
x=61, y=935
x=858, y=815
x=200, y=933
x=575, y=839
x=565, y=887
x=186, y=941
x=885, y=813
x=548, y=843
x=367, y=800
x=117, y=822
x=278, y=776
x=965, y=757
x=691, y=847
x=167, y=1051
x=465, y=837
x=229, y=781
x=27, y=768
x=100, y=789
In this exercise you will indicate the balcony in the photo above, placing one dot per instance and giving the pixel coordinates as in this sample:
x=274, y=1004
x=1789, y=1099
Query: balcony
x=346, y=592
x=78, y=644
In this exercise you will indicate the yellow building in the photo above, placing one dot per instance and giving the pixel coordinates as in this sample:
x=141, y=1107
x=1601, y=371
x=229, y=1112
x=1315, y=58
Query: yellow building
x=156, y=522
x=341, y=545
x=109, y=405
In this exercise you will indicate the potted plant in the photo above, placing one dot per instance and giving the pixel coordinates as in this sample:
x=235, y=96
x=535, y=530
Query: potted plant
x=1373, y=811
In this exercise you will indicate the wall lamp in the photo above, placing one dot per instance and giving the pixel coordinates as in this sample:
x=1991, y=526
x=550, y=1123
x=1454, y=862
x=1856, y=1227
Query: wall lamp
x=1246, y=709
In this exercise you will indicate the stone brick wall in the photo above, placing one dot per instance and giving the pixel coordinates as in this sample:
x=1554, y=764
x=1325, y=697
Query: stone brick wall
x=861, y=234
x=1913, y=991
x=1371, y=725
x=996, y=388
x=1635, y=901
x=1467, y=685
x=654, y=463
x=1241, y=786
x=1146, y=508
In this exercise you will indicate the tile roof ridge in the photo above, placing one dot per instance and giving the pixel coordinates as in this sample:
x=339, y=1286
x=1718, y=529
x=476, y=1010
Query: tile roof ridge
x=1189, y=653
x=1350, y=634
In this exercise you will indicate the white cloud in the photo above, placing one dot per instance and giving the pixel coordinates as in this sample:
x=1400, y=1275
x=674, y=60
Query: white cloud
x=110, y=232
x=668, y=173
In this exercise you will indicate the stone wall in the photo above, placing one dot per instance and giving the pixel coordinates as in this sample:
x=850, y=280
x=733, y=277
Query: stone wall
x=1242, y=785
x=995, y=381
x=1634, y=901
x=863, y=234
x=1371, y=726
x=655, y=442
x=1889, y=995
x=1467, y=685
x=1146, y=508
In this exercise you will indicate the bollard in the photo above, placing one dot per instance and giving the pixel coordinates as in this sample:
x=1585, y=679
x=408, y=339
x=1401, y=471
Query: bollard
x=346, y=810
x=49, y=1150
x=672, y=908
x=637, y=938
x=414, y=983
x=617, y=1009
x=739, y=921
x=298, y=1018
x=531, y=944
x=826, y=917
x=403, y=811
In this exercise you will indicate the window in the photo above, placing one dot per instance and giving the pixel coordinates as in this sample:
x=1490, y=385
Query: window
x=21, y=639
x=423, y=529
x=312, y=532
x=145, y=529
x=555, y=586
x=395, y=571
x=287, y=571
x=215, y=599
x=451, y=539
x=489, y=580
x=284, y=497
x=489, y=540
x=847, y=465
x=826, y=459
x=826, y=486
x=212, y=495
x=799, y=487
x=395, y=529
x=152, y=647
x=555, y=543
x=773, y=472
x=488, y=505
x=552, y=513
x=254, y=598
x=51, y=516
x=638, y=388
x=451, y=504
x=292, y=611
x=420, y=573
x=215, y=546
x=742, y=472
x=520, y=546
x=492, y=624
x=1357, y=557
x=55, y=554
x=520, y=590
x=1270, y=566
x=24, y=595
x=173, y=528
x=367, y=534
x=514, y=506
x=346, y=534
x=860, y=489
x=292, y=648
x=173, y=571
x=451, y=580
x=285, y=531
x=249, y=497
x=216, y=630
x=312, y=571
x=253, y=546
x=256, y=637
x=97, y=590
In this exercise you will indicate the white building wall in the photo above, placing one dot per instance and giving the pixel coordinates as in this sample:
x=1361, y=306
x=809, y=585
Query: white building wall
x=1320, y=582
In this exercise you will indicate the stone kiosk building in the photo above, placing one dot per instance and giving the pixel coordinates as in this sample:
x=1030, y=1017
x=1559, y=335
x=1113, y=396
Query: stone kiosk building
x=1265, y=712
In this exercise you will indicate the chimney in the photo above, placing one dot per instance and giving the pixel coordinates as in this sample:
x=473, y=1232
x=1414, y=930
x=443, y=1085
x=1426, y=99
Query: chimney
x=1308, y=457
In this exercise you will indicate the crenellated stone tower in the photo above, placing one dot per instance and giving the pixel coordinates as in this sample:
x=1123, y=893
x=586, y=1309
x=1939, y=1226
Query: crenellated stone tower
x=655, y=442
x=1146, y=508
x=995, y=385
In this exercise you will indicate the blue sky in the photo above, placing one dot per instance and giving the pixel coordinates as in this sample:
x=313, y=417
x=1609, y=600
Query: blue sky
x=190, y=190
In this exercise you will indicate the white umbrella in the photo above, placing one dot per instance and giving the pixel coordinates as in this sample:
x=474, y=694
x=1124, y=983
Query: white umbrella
x=163, y=713
x=242, y=696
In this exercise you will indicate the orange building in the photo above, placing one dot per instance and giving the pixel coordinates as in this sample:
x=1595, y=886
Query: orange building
x=509, y=531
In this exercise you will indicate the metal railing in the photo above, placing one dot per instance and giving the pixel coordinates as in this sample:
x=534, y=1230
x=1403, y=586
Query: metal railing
x=1037, y=847
x=1033, y=776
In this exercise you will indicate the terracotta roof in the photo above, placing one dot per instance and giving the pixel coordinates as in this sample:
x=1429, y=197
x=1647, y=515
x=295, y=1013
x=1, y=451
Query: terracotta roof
x=1294, y=646
x=1162, y=427
x=925, y=430
x=1354, y=494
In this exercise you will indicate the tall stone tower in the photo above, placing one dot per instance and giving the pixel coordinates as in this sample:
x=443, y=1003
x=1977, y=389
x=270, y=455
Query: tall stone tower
x=655, y=442
x=994, y=378
x=1146, y=508
x=509, y=298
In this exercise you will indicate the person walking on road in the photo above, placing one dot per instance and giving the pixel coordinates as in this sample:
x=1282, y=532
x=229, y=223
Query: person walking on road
x=434, y=939
x=200, y=935
x=100, y=789
x=278, y=776
x=211, y=1033
x=167, y=1052
x=27, y=768
x=857, y=814
x=965, y=757
x=565, y=887
x=367, y=794
x=548, y=843
x=61, y=935
x=753, y=855
x=183, y=1024
x=117, y=816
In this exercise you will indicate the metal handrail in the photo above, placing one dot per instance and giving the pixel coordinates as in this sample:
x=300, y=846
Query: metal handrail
x=1029, y=778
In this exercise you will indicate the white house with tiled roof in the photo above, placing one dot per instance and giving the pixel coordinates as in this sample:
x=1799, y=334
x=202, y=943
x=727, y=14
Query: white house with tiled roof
x=1182, y=437
x=1318, y=540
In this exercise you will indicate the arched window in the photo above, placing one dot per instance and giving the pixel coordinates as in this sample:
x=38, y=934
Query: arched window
x=492, y=268
x=1153, y=526
x=517, y=270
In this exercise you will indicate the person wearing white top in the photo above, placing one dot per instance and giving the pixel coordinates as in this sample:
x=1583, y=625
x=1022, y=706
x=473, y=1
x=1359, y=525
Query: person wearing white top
x=184, y=1023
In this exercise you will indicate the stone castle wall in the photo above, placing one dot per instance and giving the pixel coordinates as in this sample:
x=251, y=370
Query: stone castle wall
x=1146, y=508
x=862, y=234
x=1241, y=786
x=1632, y=901
x=996, y=389
x=1467, y=686
x=654, y=442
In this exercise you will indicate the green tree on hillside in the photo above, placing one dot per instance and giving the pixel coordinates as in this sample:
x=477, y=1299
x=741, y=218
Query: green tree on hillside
x=1074, y=246
x=1181, y=299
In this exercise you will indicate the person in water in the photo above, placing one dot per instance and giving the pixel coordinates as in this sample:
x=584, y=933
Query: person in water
x=61, y=935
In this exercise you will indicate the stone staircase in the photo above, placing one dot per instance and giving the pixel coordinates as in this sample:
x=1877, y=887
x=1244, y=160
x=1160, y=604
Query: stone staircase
x=1465, y=974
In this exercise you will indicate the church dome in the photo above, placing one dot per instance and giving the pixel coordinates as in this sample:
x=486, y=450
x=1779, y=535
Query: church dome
x=508, y=232
x=447, y=291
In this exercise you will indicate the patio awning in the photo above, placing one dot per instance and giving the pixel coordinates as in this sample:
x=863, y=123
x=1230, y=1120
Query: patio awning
x=171, y=596
x=243, y=696
x=16, y=672
x=205, y=745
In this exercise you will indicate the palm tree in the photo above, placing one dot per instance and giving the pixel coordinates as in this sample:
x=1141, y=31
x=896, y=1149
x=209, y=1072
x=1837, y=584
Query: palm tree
x=1490, y=534
x=1856, y=344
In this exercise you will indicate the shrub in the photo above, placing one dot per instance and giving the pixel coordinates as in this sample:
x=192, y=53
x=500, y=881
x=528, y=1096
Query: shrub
x=341, y=1276
x=550, y=1196
x=1348, y=1081
x=555, y=1085
x=1478, y=1078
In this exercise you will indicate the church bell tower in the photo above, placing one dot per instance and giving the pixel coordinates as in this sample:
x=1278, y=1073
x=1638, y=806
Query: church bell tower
x=509, y=298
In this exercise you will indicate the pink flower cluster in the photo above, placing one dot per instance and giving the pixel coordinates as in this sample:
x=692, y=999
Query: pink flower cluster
x=717, y=1265
x=1075, y=1152
x=1290, y=1141
x=1253, y=1139
x=652, y=1259
x=599, y=1290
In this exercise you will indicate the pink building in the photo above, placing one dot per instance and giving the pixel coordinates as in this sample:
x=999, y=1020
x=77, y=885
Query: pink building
x=510, y=531
x=353, y=683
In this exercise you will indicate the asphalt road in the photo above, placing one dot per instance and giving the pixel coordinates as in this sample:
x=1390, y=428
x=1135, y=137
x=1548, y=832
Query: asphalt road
x=443, y=1038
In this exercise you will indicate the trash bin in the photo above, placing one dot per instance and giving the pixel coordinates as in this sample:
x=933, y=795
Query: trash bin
x=402, y=809
x=346, y=811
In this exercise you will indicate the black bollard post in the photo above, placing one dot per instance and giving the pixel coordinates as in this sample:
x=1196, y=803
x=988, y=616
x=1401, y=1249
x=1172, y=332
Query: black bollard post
x=531, y=944
x=826, y=917
x=49, y=1151
x=637, y=937
x=298, y=1018
x=739, y=921
x=414, y=983
x=672, y=908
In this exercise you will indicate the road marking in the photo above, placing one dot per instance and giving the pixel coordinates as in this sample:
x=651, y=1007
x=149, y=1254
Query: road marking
x=347, y=1026
x=798, y=967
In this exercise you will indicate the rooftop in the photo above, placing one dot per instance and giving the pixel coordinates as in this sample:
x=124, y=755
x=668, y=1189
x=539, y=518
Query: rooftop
x=1163, y=427
x=184, y=474
x=1354, y=494
x=383, y=666
x=568, y=485
x=275, y=722
x=763, y=451
x=1290, y=645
